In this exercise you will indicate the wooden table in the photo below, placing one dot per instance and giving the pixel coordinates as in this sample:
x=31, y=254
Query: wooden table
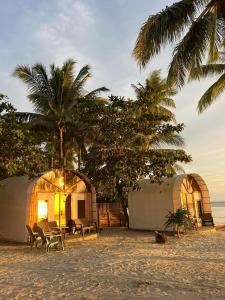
x=62, y=229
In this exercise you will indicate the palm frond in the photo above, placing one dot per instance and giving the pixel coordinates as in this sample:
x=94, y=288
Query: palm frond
x=164, y=27
x=168, y=102
x=216, y=38
x=190, y=52
x=206, y=70
x=165, y=139
x=96, y=92
x=212, y=94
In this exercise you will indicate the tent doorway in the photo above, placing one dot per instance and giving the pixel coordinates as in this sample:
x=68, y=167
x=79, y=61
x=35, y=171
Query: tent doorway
x=62, y=208
x=191, y=199
x=68, y=208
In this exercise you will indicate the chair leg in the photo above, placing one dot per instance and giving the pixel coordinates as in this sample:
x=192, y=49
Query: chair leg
x=62, y=245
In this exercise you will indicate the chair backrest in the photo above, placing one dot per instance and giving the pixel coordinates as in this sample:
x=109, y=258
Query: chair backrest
x=52, y=224
x=83, y=221
x=41, y=234
x=71, y=223
x=207, y=217
x=44, y=224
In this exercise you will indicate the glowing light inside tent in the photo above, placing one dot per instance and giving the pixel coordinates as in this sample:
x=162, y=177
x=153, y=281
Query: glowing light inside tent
x=61, y=181
x=42, y=209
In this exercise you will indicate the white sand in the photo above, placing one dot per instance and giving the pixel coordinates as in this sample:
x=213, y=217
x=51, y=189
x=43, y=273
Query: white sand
x=120, y=264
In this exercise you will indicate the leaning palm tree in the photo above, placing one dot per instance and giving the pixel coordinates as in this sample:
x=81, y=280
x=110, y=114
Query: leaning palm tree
x=55, y=96
x=197, y=26
x=217, y=88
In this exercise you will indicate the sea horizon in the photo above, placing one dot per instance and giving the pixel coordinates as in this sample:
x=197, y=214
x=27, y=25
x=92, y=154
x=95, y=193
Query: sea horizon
x=218, y=212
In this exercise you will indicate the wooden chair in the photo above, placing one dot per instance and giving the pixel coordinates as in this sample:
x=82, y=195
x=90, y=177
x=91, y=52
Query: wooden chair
x=33, y=237
x=72, y=227
x=54, y=227
x=50, y=240
x=207, y=219
x=44, y=225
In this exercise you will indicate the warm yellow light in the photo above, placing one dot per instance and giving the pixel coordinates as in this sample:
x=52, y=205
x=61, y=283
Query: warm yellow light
x=61, y=181
x=42, y=210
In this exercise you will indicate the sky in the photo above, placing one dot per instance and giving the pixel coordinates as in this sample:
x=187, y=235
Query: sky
x=102, y=33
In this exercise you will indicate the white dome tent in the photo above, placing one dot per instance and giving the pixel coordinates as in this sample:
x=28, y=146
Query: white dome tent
x=149, y=206
x=55, y=196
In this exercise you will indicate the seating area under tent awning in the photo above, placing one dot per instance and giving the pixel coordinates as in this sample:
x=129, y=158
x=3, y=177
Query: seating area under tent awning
x=54, y=196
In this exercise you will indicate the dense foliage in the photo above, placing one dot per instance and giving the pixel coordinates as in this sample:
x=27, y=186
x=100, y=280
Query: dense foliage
x=21, y=152
x=131, y=140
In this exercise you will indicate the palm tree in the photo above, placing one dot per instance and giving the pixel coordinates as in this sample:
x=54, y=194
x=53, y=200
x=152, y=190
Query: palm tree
x=55, y=96
x=198, y=28
x=218, y=87
x=156, y=97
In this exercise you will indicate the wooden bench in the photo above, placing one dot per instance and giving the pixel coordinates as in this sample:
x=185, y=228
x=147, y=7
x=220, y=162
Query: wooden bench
x=83, y=225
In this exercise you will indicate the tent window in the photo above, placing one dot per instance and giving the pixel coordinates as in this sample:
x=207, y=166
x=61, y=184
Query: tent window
x=81, y=209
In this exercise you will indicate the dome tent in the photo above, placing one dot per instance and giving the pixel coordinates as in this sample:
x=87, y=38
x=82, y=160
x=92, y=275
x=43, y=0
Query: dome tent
x=56, y=196
x=149, y=206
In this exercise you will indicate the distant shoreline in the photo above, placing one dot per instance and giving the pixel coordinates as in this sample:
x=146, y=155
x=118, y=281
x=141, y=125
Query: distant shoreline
x=218, y=203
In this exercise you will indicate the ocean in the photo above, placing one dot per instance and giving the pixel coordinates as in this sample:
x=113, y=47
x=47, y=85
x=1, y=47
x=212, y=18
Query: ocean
x=218, y=211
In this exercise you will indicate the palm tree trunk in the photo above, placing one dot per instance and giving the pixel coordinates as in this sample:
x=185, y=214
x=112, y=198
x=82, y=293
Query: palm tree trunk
x=79, y=158
x=61, y=152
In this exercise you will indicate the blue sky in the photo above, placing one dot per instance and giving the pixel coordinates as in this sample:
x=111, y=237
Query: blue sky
x=102, y=33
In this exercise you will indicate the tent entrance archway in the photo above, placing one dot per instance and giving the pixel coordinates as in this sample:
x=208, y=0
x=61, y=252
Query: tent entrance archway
x=191, y=198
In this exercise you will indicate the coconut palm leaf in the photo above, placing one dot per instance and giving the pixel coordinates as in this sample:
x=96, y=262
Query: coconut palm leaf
x=204, y=22
x=191, y=50
x=212, y=94
x=96, y=92
x=163, y=28
x=206, y=70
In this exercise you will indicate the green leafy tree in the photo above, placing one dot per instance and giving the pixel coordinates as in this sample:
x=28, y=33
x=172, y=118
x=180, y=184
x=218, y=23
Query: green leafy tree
x=217, y=88
x=55, y=97
x=197, y=26
x=130, y=141
x=179, y=220
x=21, y=153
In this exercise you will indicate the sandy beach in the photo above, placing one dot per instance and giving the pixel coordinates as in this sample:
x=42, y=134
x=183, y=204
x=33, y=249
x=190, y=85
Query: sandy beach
x=120, y=264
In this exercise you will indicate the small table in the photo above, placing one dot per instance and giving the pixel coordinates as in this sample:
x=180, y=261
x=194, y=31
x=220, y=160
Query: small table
x=62, y=229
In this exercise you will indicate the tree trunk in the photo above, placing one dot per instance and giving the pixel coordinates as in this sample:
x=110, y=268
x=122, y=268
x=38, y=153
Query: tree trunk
x=61, y=152
x=79, y=158
x=125, y=206
x=123, y=200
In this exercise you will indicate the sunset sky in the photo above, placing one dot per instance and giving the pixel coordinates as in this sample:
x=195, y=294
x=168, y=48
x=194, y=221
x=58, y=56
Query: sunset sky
x=102, y=33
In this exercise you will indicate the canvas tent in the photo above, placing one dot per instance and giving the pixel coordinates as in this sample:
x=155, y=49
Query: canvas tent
x=55, y=196
x=149, y=206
